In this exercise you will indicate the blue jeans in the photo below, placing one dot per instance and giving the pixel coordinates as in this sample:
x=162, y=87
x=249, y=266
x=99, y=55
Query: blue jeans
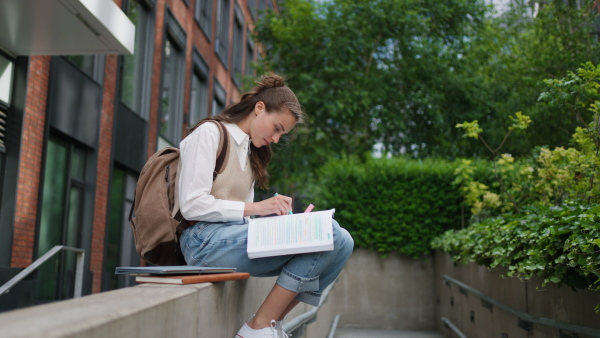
x=224, y=245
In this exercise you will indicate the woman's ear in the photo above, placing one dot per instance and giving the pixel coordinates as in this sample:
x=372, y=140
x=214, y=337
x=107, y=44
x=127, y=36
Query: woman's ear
x=259, y=107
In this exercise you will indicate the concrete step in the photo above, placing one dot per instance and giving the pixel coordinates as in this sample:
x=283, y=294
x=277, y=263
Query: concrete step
x=373, y=333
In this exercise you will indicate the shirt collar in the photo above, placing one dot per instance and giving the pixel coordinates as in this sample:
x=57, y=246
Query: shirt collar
x=238, y=134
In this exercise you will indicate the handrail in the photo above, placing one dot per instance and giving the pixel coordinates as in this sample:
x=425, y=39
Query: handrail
x=453, y=327
x=307, y=317
x=28, y=270
x=523, y=315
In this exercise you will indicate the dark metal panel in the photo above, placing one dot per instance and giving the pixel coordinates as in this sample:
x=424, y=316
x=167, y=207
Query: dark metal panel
x=130, y=139
x=74, y=102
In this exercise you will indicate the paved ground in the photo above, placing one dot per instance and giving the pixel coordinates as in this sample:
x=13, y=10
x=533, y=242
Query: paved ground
x=367, y=333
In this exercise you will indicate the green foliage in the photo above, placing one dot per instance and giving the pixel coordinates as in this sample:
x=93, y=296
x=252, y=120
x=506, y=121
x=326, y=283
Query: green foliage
x=516, y=52
x=560, y=244
x=370, y=72
x=393, y=204
x=556, y=234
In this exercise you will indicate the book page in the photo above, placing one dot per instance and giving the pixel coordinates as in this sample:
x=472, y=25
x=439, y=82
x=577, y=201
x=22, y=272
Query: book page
x=290, y=234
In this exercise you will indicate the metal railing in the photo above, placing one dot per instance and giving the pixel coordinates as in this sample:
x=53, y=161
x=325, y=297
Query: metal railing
x=295, y=327
x=525, y=319
x=453, y=327
x=31, y=268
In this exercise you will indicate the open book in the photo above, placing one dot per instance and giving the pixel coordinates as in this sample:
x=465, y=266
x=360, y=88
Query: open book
x=290, y=234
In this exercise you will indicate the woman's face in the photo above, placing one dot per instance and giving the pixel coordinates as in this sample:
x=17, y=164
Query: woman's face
x=268, y=127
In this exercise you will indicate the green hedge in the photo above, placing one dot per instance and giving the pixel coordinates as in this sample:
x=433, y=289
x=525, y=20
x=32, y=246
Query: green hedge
x=560, y=244
x=393, y=204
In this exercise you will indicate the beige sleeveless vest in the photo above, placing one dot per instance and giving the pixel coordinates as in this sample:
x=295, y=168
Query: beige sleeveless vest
x=233, y=182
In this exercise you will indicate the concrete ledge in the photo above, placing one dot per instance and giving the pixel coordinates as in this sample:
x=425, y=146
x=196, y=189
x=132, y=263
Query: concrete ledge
x=152, y=310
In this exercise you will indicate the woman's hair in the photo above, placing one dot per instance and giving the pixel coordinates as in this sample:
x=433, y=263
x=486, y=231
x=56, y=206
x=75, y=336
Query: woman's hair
x=277, y=97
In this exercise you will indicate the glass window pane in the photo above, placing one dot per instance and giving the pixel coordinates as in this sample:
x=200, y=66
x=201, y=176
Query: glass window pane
x=171, y=111
x=84, y=62
x=78, y=164
x=249, y=59
x=113, y=243
x=222, y=43
x=6, y=78
x=135, y=76
x=128, y=89
x=199, y=99
x=74, y=218
x=51, y=218
x=238, y=47
x=204, y=15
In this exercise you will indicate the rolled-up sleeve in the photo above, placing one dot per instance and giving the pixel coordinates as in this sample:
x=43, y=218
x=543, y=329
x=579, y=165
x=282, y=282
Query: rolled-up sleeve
x=195, y=179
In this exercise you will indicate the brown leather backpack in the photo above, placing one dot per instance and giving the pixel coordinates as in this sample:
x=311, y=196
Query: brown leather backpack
x=154, y=228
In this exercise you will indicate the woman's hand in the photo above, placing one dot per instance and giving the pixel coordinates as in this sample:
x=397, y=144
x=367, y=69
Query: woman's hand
x=278, y=204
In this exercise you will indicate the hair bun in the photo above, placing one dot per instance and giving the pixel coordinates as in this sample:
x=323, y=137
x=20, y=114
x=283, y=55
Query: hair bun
x=273, y=81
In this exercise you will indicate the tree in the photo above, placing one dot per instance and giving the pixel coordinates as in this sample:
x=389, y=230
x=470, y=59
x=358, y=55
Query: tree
x=531, y=42
x=373, y=72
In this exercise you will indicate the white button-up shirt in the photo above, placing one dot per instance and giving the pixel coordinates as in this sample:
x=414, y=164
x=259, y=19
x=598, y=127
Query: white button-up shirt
x=195, y=178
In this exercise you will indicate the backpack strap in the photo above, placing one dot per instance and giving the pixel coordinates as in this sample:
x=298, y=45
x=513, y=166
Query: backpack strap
x=224, y=148
x=222, y=155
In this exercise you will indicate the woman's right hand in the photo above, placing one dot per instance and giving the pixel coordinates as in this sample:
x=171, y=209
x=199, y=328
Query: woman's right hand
x=278, y=204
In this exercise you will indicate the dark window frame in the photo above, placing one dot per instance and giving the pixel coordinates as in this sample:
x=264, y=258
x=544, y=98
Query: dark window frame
x=203, y=17
x=201, y=71
x=237, y=61
x=222, y=36
x=143, y=61
x=175, y=35
x=219, y=97
x=250, y=53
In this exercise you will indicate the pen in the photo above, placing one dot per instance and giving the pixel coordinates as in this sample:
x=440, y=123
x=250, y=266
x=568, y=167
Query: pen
x=289, y=211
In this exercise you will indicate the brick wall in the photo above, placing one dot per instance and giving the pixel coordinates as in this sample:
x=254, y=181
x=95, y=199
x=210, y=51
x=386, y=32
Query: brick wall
x=103, y=171
x=32, y=145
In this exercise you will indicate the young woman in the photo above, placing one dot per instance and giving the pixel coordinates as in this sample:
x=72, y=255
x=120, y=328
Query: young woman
x=219, y=209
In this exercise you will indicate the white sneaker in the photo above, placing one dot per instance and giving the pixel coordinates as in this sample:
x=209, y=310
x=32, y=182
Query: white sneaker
x=248, y=332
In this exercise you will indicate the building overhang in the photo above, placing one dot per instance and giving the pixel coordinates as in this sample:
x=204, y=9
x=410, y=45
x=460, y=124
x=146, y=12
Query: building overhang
x=64, y=27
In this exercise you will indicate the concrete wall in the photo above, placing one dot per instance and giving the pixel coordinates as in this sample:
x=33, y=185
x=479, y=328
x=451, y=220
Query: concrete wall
x=199, y=310
x=466, y=312
x=392, y=293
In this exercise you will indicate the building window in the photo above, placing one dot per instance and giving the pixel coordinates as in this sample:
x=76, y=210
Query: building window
x=249, y=58
x=6, y=80
x=252, y=8
x=203, y=16
x=136, y=69
x=172, y=94
x=218, y=98
x=120, y=245
x=222, y=42
x=61, y=216
x=238, y=46
x=199, y=90
x=91, y=65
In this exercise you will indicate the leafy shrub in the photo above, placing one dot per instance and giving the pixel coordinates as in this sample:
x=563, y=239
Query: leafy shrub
x=392, y=204
x=554, y=229
x=560, y=244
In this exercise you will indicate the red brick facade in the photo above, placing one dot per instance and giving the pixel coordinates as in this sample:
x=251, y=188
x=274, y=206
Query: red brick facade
x=30, y=162
x=33, y=136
